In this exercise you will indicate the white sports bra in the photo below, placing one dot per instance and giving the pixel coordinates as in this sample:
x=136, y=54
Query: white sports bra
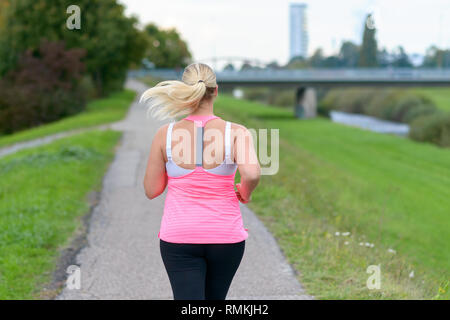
x=227, y=167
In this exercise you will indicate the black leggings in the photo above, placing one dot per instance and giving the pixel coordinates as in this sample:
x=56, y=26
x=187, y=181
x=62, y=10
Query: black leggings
x=201, y=271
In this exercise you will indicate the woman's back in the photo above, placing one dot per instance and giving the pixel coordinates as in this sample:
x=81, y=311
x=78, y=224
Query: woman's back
x=201, y=204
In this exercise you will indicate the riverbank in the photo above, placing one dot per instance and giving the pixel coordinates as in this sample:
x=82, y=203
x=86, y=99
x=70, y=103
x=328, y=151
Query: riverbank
x=427, y=120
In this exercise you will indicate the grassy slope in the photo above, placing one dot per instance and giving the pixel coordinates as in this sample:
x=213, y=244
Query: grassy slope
x=42, y=198
x=385, y=190
x=97, y=112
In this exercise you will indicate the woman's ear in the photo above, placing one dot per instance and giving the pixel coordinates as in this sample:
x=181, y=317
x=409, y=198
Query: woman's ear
x=216, y=91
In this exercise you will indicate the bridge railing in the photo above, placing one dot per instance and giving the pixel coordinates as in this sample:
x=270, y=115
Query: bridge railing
x=310, y=74
x=324, y=74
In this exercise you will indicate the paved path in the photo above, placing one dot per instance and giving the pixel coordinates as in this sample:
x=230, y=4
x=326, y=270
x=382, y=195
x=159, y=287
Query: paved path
x=122, y=259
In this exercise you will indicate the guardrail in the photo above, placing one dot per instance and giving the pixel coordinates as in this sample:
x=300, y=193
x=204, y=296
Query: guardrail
x=273, y=76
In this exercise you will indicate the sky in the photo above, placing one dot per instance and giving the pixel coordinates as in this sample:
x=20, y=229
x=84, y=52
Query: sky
x=260, y=28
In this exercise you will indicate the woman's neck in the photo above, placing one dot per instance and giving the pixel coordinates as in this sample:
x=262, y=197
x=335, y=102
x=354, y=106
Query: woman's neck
x=204, y=109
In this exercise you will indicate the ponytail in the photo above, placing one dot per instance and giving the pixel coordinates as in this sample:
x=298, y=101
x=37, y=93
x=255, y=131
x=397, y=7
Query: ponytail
x=174, y=98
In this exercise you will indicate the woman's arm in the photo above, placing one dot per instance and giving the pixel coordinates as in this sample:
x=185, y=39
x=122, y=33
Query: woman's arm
x=248, y=164
x=155, y=179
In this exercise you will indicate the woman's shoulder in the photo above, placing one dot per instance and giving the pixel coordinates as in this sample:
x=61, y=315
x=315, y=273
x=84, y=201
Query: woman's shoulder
x=238, y=128
x=239, y=132
x=162, y=129
x=161, y=133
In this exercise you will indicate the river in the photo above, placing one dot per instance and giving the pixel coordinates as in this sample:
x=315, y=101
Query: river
x=370, y=123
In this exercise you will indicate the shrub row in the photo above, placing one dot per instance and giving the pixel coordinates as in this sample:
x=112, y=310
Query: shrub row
x=427, y=123
x=277, y=97
x=389, y=104
x=45, y=86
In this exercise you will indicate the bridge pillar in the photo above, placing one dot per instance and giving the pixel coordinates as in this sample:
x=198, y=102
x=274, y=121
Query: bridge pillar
x=306, y=103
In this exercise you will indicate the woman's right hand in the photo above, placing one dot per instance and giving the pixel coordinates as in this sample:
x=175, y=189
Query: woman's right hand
x=239, y=194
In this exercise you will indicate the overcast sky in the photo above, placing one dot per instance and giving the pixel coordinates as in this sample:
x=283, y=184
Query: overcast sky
x=260, y=28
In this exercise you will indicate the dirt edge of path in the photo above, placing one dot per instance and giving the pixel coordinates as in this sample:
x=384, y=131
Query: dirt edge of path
x=67, y=256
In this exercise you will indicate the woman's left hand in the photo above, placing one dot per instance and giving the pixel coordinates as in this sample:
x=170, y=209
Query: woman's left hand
x=238, y=194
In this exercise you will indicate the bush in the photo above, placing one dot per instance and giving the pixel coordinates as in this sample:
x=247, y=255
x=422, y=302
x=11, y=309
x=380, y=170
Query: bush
x=88, y=87
x=353, y=100
x=381, y=103
x=409, y=105
x=329, y=102
x=419, y=111
x=434, y=128
x=256, y=94
x=356, y=100
x=273, y=96
x=283, y=97
x=44, y=87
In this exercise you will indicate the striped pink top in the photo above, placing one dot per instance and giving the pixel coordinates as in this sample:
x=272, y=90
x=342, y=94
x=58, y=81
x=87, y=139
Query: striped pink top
x=201, y=205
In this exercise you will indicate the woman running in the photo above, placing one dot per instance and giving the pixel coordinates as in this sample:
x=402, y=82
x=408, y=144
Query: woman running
x=202, y=236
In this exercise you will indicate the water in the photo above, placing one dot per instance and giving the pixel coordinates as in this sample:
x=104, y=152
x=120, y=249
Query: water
x=369, y=123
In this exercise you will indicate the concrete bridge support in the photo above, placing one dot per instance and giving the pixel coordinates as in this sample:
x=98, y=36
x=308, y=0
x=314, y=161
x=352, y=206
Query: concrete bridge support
x=306, y=103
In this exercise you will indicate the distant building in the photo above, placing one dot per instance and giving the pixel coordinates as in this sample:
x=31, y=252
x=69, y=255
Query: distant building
x=298, y=30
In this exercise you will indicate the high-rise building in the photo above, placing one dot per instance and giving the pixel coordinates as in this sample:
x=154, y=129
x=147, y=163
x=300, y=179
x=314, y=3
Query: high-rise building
x=298, y=30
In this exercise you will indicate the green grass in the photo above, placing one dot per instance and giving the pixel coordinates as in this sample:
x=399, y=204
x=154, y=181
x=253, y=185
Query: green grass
x=43, y=195
x=384, y=189
x=101, y=111
x=440, y=96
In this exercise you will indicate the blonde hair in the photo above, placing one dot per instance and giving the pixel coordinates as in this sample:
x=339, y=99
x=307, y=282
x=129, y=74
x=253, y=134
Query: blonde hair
x=175, y=98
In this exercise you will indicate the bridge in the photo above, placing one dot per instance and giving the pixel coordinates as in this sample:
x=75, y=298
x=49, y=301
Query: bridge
x=305, y=80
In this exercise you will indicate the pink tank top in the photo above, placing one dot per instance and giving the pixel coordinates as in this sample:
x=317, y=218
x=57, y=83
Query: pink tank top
x=201, y=205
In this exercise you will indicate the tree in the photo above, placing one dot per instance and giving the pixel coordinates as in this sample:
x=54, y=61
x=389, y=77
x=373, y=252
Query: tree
x=384, y=58
x=436, y=58
x=297, y=62
x=349, y=54
x=273, y=65
x=4, y=4
x=317, y=59
x=165, y=48
x=229, y=67
x=368, y=51
x=109, y=37
x=331, y=62
x=246, y=66
x=401, y=59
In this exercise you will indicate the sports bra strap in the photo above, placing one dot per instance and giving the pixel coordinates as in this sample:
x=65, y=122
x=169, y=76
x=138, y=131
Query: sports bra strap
x=228, y=143
x=199, y=146
x=169, y=141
